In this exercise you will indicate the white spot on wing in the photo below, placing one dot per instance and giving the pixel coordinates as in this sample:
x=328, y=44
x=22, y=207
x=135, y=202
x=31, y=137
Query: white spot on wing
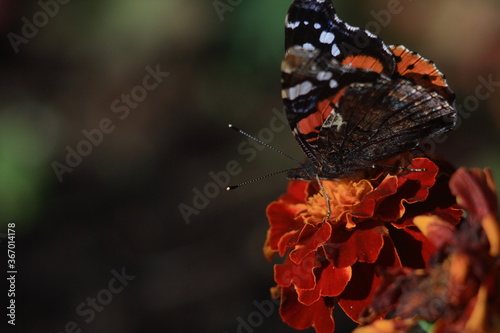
x=338, y=121
x=300, y=89
x=292, y=25
x=335, y=50
x=326, y=37
x=333, y=83
x=308, y=46
x=317, y=26
x=323, y=76
x=334, y=119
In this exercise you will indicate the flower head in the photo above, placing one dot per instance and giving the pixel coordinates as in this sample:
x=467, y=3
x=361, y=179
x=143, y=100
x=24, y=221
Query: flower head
x=335, y=259
x=460, y=291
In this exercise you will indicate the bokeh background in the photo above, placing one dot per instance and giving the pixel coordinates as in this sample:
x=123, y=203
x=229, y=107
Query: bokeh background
x=119, y=208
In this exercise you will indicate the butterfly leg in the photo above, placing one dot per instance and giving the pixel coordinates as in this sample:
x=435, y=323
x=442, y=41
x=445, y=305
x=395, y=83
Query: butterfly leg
x=397, y=167
x=327, y=198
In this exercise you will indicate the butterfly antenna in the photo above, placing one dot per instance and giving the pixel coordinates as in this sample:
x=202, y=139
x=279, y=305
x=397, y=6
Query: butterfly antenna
x=234, y=128
x=233, y=187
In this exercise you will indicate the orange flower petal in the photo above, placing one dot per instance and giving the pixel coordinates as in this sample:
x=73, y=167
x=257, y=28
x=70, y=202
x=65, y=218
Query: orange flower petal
x=491, y=227
x=267, y=249
x=343, y=194
x=436, y=230
x=339, y=260
x=459, y=269
x=395, y=325
x=478, y=319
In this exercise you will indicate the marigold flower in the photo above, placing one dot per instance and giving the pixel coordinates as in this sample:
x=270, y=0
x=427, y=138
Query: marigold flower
x=460, y=292
x=336, y=261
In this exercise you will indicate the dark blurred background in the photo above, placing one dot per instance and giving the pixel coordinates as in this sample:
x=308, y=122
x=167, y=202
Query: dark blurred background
x=132, y=205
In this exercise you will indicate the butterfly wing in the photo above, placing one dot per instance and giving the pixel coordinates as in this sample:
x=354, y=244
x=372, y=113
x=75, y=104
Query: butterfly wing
x=377, y=120
x=350, y=99
x=415, y=68
x=312, y=84
x=314, y=24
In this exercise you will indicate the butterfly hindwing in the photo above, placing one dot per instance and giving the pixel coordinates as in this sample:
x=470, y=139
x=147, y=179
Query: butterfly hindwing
x=374, y=121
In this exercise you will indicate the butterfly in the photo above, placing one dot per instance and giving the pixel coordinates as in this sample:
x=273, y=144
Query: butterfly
x=350, y=99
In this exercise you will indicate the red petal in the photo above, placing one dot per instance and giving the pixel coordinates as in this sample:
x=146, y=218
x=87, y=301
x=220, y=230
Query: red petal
x=282, y=219
x=330, y=282
x=412, y=187
x=296, y=192
x=475, y=191
x=367, y=206
x=282, y=214
x=359, y=291
x=451, y=215
x=363, y=243
x=440, y=202
x=388, y=293
x=426, y=179
x=308, y=297
x=299, y=316
x=301, y=275
x=288, y=241
x=413, y=248
x=311, y=238
x=334, y=280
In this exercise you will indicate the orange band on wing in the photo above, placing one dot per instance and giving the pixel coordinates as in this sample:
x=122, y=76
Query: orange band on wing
x=409, y=63
x=423, y=72
x=310, y=124
x=364, y=62
x=325, y=108
x=313, y=122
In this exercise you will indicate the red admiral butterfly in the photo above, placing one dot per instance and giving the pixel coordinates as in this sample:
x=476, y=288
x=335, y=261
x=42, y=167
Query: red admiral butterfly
x=352, y=101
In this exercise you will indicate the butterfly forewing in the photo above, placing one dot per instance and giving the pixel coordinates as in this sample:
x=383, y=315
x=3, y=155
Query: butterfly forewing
x=315, y=25
x=421, y=71
x=311, y=90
